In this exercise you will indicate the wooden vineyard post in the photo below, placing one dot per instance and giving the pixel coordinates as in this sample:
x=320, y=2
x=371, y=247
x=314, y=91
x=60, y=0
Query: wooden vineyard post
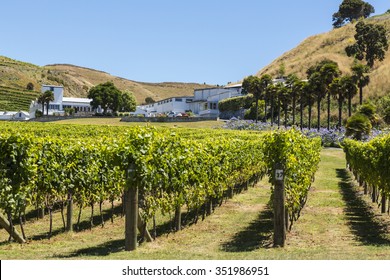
x=131, y=217
x=131, y=211
x=383, y=203
x=69, y=213
x=279, y=208
x=178, y=218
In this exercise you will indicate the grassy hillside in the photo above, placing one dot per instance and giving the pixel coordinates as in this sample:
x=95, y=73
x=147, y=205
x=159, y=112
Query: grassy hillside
x=78, y=80
x=331, y=45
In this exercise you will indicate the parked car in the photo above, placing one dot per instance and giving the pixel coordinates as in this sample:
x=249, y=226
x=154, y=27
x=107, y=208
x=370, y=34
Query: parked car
x=171, y=114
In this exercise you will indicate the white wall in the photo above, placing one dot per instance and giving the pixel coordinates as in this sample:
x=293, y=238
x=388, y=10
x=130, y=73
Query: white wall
x=58, y=92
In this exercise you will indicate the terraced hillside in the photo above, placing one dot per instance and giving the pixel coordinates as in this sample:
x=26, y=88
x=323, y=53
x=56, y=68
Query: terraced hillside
x=13, y=99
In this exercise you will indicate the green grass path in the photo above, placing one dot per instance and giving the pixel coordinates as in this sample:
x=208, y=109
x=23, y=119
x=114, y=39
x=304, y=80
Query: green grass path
x=337, y=222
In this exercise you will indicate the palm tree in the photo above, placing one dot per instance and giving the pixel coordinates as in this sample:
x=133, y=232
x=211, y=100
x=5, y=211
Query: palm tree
x=272, y=93
x=285, y=98
x=329, y=71
x=41, y=100
x=265, y=80
x=316, y=88
x=293, y=84
x=350, y=90
x=307, y=98
x=361, y=79
x=48, y=97
x=336, y=89
x=280, y=93
x=320, y=77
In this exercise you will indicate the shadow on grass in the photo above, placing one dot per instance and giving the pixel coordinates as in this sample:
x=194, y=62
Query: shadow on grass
x=84, y=225
x=361, y=219
x=103, y=249
x=257, y=235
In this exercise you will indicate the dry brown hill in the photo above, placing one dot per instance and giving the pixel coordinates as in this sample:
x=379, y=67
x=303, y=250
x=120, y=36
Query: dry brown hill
x=331, y=45
x=78, y=80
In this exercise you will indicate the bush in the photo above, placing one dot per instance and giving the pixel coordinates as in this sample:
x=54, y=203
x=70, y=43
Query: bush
x=368, y=110
x=69, y=111
x=38, y=114
x=358, y=126
x=251, y=113
x=235, y=103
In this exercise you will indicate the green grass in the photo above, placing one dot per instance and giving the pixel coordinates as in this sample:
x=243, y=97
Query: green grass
x=336, y=223
x=117, y=122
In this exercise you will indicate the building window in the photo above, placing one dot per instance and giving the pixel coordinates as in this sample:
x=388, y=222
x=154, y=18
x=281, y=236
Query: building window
x=54, y=107
x=179, y=99
x=51, y=88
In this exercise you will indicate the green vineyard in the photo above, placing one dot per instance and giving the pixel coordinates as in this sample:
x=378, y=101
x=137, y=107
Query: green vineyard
x=53, y=167
x=370, y=164
x=12, y=99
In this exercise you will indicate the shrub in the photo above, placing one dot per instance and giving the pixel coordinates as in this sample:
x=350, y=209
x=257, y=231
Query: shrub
x=38, y=114
x=358, y=126
x=235, y=103
x=251, y=113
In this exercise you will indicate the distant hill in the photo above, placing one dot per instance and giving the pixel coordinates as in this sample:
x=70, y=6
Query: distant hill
x=331, y=45
x=78, y=80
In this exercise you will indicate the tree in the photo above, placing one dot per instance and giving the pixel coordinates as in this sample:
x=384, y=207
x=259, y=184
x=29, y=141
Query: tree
x=30, y=86
x=272, y=93
x=307, y=99
x=41, y=100
x=149, y=100
x=358, y=126
x=329, y=72
x=265, y=81
x=343, y=88
x=295, y=87
x=371, y=43
x=49, y=97
x=320, y=77
x=361, y=78
x=46, y=98
x=350, y=10
x=350, y=90
x=106, y=95
x=285, y=98
x=337, y=92
x=127, y=102
x=253, y=84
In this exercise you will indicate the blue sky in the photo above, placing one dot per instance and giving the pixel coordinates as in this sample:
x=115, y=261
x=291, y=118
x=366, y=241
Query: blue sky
x=155, y=41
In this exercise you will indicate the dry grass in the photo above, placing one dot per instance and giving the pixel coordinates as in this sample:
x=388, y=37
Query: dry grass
x=331, y=45
x=78, y=80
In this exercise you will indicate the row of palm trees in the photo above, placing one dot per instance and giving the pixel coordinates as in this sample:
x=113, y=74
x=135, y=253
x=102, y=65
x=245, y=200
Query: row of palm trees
x=324, y=81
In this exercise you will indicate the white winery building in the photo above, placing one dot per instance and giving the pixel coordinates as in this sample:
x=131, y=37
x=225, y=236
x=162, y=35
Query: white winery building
x=60, y=103
x=204, y=103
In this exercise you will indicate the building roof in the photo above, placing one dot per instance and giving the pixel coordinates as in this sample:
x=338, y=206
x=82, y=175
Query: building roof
x=52, y=86
x=76, y=100
x=233, y=86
